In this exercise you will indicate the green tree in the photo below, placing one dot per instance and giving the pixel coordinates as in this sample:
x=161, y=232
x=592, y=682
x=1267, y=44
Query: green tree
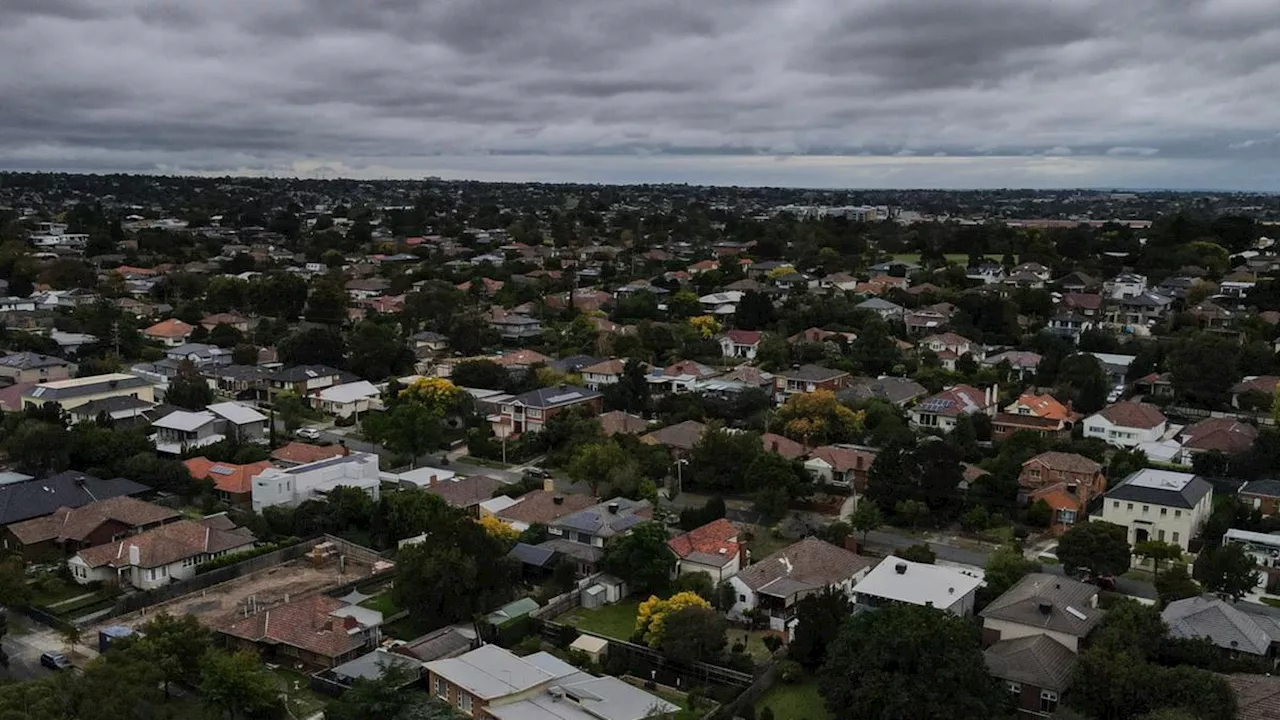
x=866, y=517
x=1101, y=548
x=173, y=645
x=594, y=462
x=1176, y=584
x=720, y=459
x=641, y=557
x=412, y=512
x=819, y=618
x=188, y=389
x=409, y=428
x=244, y=354
x=291, y=408
x=376, y=351
x=237, y=685
x=1083, y=381
x=911, y=511
x=225, y=336
x=485, y=374
x=390, y=697
x=313, y=346
x=693, y=634
x=1228, y=570
x=1204, y=368
x=328, y=300
x=39, y=448
x=1157, y=552
x=1005, y=567
x=456, y=572
x=905, y=662
x=920, y=552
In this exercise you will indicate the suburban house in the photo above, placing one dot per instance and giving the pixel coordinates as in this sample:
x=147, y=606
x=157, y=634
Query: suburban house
x=616, y=422
x=1261, y=495
x=231, y=320
x=183, y=430
x=941, y=411
x=348, y=399
x=72, y=393
x=1063, y=609
x=171, y=332
x=514, y=326
x=1127, y=424
x=807, y=379
x=740, y=344
x=1159, y=505
x=529, y=411
x=1126, y=284
x=889, y=312
x=713, y=549
x=1224, y=625
x=582, y=535
x=679, y=376
x=318, y=631
x=784, y=446
x=896, y=580
x=304, y=380
x=1069, y=325
x=842, y=465
x=1022, y=363
x=1040, y=414
x=1066, y=481
x=1035, y=669
x=70, y=529
x=1261, y=387
x=155, y=557
x=490, y=683
x=1226, y=435
x=895, y=390
x=37, y=497
x=428, y=343
x=679, y=438
x=232, y=484
x=776, y=584
x=464, y=493
x=29, y=367
x=199, y=354
x=949, y=347
x=540, y=507
x=605, y=372
x=293, y=486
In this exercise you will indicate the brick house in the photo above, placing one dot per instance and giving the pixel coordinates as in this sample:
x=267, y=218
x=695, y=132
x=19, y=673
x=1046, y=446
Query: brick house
x=233, y=484
x=807, y=379
x=1066, y=481
x=1262, y=495
x=840, y=465
x=941, y=411
x=71, y=529
x=529, y=412
x=1041, y=414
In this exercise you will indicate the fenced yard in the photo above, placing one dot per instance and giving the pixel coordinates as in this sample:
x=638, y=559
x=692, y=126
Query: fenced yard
x=615, y=621
x=794, y=701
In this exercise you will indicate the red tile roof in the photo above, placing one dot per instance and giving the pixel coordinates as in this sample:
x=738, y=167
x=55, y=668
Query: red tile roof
x=744, y=337
x=226, y=477
x=307, y=624
x=843, y=459
x=718, y=538
x=1133, y=414
x=301, y=453
x=1224, y=434
x=171, y=328
x=1065, y=462
x=784, y=446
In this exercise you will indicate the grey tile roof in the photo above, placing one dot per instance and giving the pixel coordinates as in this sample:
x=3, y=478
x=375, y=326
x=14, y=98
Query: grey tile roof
x=301, y=373
x=891, y=389
x=812, y=373
x=600, y=521
x=35, y=498
x=1225, y=626
x=554, y=396
x=1269, y=487
x=1049, y=602
x=811, y=563
x=47, y=393
x=445, y=642
x=1035, y=660
x=576, y=550
x=532, y=554
x=31, y=361
x=371, y=666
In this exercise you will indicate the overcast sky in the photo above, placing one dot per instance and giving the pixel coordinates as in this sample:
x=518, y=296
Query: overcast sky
x=831, y=93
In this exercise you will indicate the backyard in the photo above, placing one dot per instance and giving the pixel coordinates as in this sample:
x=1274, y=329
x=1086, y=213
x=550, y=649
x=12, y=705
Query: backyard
x=794, y=701
x=615, y=621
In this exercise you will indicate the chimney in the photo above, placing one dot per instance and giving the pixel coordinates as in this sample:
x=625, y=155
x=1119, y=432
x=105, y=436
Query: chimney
x=900, y=568
x=613, y=508
x=558, y=499
x=1046, y=607
x=135, y=555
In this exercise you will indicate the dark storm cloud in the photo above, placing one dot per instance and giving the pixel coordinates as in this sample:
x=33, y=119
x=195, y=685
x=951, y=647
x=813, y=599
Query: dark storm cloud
x=1096, y=89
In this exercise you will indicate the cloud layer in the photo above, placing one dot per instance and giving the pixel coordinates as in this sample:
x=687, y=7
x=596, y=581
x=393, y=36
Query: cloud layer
x=1155, y=93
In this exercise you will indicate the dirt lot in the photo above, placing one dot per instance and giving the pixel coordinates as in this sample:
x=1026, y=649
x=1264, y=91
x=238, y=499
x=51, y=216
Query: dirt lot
x=266, y=588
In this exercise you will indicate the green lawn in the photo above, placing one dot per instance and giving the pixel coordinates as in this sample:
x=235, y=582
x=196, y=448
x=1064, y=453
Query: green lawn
x=383, y=603
x=763, y=543
x=406, y=628
x=615, y=621
x=796, y=701
x=1272, y=601
x=755, y=642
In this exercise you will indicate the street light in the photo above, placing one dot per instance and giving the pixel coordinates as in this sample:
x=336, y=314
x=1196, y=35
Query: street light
x=502, y=430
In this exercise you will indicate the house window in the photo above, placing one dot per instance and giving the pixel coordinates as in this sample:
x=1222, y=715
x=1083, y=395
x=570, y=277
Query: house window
x=1014, y=688
x=1146, y=509
x=464, y=702
x=742, y=598
x=1164, y=511
x=1067, y=517
x=442, y=688
x=1033, y=474
x=1175, y=538
x=1130, y=508
x=1160, y=535
x=1048, y=701
x=1177, y=513
x=1115, y=504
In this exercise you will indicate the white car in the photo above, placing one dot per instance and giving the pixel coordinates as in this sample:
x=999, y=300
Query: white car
x=308, y=433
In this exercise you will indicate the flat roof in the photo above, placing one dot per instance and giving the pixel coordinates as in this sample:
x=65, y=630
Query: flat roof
x=920, y=584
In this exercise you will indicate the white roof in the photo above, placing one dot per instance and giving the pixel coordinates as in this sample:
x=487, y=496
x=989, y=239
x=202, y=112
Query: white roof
x=185, y=420
x=349, y=392
x=422, y=476
x=490, y=672
x=498, y=504
x=1160, y=479
x=236, y=413
x=921, y=584
x=589, y=643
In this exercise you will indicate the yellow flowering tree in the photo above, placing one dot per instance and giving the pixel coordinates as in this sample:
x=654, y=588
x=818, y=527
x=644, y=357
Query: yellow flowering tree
x=654, y=611
x=781, y=270
x=817, y=418
x=438, y=394
x=498, y=529
x=706, y=325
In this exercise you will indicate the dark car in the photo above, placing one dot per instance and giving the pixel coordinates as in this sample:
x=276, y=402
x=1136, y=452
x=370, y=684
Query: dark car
x=55, y=661
x=534, y=471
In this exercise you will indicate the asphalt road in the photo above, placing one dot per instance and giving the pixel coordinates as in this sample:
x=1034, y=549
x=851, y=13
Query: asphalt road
x=24, y=643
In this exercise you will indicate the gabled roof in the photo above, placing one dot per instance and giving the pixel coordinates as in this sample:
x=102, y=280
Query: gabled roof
x=612, y=366
x=1133, y=414
x=33, y=498
x=808, y=565
x=784, y=446
x=682, y=435
x=1266, y=487
x=1035, y=660
x=744, y=337
x=1065, y=462
x=166, y=544
x=1042, y=406
x=77, y=523
x=812, y=373
x=552, y=397
x=1224, y=434
x=616, y=421
x=544, y=506
x=954, y=402
x=715, y=544
x=303, y=373
x=171, y=328
x=1048, y=602
x=31, y=361
x=1257, y=696
x=226, y=477
x=842, y=459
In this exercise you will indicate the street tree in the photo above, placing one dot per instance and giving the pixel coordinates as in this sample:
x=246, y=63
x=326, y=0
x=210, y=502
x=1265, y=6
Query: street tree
x=1100, y=548
x=237, y=685
x=1228, y=570
x=1176, y=584
x=1157, y=551
x=641, y=557
x=866, y=517
x=188, y=389
x=905, y=662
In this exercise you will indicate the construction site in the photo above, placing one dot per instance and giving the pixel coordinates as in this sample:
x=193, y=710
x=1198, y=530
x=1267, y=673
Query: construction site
x=326, y=565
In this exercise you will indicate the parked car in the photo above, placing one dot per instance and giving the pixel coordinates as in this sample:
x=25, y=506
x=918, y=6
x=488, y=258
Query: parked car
x=534, y=471
x=308, y=433
x=55, y=661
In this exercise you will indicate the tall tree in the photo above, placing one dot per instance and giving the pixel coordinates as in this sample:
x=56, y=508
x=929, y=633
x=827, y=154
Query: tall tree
x=377, y=351
x=1228, y=570
x=1101, y=548
x=819, y=618
x=905, y=662
x=188, y=389
x=866, y=517
x=237, y=685
x=314, y=346
x=641, y=557
x=693, y=634
x=328, y=300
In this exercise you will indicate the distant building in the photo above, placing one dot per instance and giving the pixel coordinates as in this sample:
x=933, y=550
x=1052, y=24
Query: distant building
x=293, y=486
x=1159, y=505
x=72, y=393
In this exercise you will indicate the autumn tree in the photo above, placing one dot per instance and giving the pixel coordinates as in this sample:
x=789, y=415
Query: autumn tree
x=817, y=418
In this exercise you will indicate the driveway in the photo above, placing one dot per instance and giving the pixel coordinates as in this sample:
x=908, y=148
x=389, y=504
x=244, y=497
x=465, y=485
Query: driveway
x=27, y=640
